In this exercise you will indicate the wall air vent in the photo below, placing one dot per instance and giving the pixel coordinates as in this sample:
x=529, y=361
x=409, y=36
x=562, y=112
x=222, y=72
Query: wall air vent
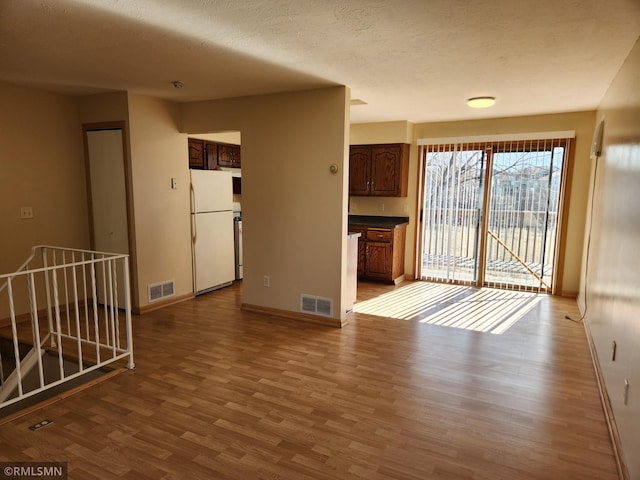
x=316, y=305
x=158, y=291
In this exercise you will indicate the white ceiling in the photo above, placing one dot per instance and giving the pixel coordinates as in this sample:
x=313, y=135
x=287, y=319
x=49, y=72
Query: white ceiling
x=416, y=60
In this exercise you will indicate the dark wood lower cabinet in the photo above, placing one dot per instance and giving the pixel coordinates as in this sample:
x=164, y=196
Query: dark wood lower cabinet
x=381, y=252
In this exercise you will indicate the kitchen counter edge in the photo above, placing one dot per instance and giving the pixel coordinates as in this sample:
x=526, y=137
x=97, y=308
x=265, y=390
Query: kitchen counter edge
x=377, y=221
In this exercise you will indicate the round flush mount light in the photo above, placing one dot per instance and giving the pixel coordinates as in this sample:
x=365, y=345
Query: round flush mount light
x=481, y=102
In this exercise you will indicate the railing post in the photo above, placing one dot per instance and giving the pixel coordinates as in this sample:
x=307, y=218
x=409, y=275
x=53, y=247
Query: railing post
x=47, y=288
x=114, y=266
x=127, y=309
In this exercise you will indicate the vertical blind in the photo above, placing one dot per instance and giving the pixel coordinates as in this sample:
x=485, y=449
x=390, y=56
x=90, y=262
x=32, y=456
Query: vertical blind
x=490, y=211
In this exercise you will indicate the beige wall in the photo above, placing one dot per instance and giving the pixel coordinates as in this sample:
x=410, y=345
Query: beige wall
x=293, y=208
x=610, y=293
x=161, y=214
x=224, y=137
x=41, y=166
x=104, y=107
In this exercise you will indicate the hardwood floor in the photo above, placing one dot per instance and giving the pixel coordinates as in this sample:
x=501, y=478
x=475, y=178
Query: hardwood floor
x=223, y=394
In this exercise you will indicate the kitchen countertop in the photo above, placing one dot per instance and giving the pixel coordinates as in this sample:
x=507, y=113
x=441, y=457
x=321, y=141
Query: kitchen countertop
x=377, y=221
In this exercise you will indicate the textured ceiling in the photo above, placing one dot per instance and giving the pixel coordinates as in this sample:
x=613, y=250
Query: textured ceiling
x=416, y=60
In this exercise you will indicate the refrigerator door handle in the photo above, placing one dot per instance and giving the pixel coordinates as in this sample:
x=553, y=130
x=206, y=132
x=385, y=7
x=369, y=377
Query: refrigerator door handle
x=192, y=198
x=194, y=231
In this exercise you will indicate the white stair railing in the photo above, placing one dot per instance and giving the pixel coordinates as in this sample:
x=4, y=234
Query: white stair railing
x=84, y=319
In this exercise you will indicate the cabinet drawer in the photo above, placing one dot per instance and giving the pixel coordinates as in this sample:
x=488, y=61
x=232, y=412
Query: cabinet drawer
x=380, y=234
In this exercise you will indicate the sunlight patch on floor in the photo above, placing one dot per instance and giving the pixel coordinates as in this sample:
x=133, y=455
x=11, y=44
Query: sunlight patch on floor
x=479, y=309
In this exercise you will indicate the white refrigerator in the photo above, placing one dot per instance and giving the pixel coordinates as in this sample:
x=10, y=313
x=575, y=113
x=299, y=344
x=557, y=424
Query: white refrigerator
x=212, y=240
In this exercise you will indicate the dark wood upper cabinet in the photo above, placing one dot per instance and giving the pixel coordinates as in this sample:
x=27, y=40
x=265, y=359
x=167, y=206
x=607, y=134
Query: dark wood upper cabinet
x=359, y=170
x=379, y=170
x=211, y=153
x=196, y=154
x=229, y=155
x=204, y=154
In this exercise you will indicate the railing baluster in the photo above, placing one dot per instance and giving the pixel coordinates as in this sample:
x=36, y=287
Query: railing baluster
x=61, y=265
x=94, y=297
x=77, y=316
x=36, y=327
x=58, y=332
x=86, y=302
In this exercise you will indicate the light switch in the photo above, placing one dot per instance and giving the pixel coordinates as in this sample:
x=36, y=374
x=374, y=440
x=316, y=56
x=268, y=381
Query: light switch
x=174, y=184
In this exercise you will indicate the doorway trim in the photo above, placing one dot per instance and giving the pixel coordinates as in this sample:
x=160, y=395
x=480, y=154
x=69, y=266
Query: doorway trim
x=122, y=126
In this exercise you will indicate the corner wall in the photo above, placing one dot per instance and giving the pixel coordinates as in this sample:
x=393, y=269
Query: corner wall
x=41, y=166
x=162, y=224
x=293, y=207
x=610, y=290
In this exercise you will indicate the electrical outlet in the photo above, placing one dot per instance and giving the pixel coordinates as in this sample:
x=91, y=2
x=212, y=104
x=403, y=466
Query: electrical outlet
x=381, y=207
x=26, y=212
x=266, y=281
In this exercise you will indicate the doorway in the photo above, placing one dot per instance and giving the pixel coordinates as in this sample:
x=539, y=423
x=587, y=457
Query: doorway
x=490, y=211
x=108, y=202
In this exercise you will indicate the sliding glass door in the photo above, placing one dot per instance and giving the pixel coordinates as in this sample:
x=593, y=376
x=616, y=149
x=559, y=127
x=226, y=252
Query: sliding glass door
x=451, y=214
x=490, y=213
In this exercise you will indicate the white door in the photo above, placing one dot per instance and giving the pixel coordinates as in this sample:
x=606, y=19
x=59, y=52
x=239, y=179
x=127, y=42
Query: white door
x=108, y=199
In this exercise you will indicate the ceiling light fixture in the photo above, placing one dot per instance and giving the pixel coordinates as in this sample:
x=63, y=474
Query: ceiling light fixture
x=177, y=84
x=481, y=102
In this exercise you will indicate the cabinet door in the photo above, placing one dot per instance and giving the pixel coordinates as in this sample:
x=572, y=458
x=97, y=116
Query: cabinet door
x=385, y=170
x=196, y=153
x=211, y=154
x=359, y=170
x=228, y=155
x=236, y=157
x=379, y=260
